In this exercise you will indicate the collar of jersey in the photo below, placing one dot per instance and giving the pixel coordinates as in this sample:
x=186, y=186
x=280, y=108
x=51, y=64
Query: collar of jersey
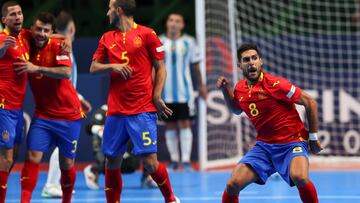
x=135, y=25
x=6, y=31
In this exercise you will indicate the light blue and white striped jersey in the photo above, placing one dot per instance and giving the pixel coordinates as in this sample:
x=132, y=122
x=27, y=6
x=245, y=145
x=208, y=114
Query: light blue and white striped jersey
x=179, y=55
x=73, y=76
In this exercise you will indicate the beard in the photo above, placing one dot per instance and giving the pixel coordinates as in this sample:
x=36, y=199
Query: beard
x=116, y=21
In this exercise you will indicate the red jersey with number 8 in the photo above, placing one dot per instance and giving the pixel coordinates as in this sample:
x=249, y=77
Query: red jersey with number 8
x=269, y=104
x=137, y=48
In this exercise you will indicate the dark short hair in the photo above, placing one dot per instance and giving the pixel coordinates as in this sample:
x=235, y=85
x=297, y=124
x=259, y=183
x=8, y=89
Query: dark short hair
x=46, y=18
x=128, y=6
x=62, y=20
x=178, y=13
x=6, y=5
x=245, y=47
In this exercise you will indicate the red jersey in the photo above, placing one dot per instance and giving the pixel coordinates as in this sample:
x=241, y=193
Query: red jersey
x=12, y=85
x=269, y=104
x=137, y=47
x=54, y=98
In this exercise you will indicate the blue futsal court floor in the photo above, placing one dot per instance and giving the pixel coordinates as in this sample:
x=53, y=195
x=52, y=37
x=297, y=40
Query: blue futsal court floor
x=332, y=187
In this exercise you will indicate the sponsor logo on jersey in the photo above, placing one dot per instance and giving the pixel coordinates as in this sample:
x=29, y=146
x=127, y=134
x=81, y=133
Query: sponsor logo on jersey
x=276, y=83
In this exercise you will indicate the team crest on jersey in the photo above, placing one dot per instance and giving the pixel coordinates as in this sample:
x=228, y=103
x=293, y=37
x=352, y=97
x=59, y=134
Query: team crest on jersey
x=5, y=136
x=48, y=58
x=137, y=42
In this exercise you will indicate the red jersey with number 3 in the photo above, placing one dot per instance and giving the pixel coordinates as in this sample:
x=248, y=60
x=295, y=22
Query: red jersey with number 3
x=137, y=48
x=269, y=104
x=54, y=98
x=12, y=85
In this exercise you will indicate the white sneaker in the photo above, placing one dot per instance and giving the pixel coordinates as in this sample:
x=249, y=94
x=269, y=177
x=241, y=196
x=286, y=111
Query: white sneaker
x=177, y=200
x=90, y=178
x=52, y=191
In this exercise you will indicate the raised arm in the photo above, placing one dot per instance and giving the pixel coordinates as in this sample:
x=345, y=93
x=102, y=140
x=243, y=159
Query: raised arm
x=312, y=117
x=223, y=84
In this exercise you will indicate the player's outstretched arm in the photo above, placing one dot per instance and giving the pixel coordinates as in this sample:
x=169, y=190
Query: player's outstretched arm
x=312, y=116
x=223, y=84
x=60, y=72
x=160, y=77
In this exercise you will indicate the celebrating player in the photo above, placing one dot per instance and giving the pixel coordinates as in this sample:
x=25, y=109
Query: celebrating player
x=58, y=112
x=13, y=45
x=132, y=51
x=282, y=141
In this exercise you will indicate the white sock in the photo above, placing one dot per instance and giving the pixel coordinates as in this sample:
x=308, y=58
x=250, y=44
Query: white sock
x=186, y=138
x=172, y=144
x=54, y=169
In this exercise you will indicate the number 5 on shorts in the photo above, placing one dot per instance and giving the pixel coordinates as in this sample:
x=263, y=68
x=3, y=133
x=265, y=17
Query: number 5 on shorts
x=146, y=139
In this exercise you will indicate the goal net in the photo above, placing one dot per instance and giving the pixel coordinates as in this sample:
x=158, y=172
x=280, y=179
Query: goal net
x=313, y=43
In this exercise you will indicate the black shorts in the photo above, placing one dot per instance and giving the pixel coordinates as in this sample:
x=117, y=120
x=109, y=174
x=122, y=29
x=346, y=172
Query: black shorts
x=181, y=111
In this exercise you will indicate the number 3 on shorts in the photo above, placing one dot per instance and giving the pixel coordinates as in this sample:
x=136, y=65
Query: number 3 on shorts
x=75, y=146
x=146, y=139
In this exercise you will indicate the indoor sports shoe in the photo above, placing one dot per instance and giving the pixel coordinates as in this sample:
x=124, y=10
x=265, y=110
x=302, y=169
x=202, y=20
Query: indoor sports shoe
x=147, y=182
x=90, y=178
x=187, y=167
x=52, y=191
x=173, y=166
x=177, y=200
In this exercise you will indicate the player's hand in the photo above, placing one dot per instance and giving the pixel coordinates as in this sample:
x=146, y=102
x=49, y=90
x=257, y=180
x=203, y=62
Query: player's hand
x=66, y=45
x=162, y=110
x=315, y=146
x=222, y=83
x=9, y=41
x=24, y=66
x=203, y=91
x=124, y=70
x=86, y=105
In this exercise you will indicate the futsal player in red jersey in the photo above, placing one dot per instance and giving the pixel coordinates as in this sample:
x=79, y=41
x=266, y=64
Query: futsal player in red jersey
x=132, y=51
x=282, y=142
x=58, y=113
x=13, y=45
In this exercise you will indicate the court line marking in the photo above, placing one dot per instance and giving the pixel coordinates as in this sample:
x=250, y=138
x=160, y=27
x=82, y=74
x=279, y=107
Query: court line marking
x=128, y=199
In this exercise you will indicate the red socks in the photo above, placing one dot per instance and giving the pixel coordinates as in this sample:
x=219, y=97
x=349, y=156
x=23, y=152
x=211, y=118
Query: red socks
x=3, y=185
x=29, y=176
x=67, y=183
x=113, y=185
x=308, y=193
x=161, y=177
x=226, y=198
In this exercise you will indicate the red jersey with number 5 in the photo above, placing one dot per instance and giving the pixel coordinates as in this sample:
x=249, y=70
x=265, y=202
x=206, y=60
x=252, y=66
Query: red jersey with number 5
x=54, y=98
x=137, y=48
x=269, y=104
x=12, y=85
